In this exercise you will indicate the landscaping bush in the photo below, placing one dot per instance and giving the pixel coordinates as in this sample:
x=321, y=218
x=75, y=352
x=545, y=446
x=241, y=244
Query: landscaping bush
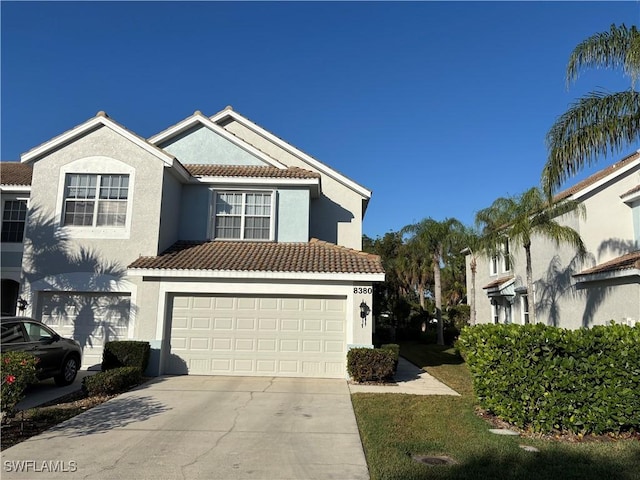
x=370, y=364
x=18, y=371
x=546, y=378
x=112, y=381
x=395, y=349
x=126, y=353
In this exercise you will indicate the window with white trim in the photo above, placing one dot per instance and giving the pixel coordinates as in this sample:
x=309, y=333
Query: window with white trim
x=501, y=262
x=495, y=311
x=524, y=308
x=243, y=215
x=92, y=200
x=14, y=216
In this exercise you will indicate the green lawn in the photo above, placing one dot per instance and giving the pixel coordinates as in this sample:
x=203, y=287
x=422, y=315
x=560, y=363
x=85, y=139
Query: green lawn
x=394, y=427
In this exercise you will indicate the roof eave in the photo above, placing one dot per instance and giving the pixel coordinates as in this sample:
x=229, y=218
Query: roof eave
x=256, y=275
x=313, y=184
x=604, y=276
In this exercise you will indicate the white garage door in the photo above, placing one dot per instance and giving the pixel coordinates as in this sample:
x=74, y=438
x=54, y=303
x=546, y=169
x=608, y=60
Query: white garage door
x=91, y=319
x=266, y=336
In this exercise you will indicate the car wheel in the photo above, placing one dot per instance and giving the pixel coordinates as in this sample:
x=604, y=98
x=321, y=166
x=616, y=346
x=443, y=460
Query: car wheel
x=68, y=373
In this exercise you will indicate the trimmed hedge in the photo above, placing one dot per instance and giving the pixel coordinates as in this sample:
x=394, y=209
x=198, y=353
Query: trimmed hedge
x=112, y=381
x=370, y=364
x=546, y=378
x=125, y=353
x=395, y=349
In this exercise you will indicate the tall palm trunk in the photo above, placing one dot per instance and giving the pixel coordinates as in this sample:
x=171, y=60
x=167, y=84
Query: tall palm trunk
x=530, y=296
x=438, y=292
x=472, y=300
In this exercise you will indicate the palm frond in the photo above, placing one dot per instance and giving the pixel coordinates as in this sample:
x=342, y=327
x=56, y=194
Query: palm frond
x=597, y=124
x=616, y=48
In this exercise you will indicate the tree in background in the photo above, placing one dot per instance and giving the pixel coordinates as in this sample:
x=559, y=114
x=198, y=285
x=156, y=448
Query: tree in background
x=517, y=219
x=599, y=122
x=435, y=240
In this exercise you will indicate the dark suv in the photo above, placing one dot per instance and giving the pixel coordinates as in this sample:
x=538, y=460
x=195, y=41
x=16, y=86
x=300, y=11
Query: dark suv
x=60, y=358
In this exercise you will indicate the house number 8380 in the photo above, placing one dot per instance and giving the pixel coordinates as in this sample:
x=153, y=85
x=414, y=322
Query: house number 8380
x=363, y=290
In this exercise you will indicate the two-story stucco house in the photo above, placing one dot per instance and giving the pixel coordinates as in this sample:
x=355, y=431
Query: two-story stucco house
x=229, y=250
x=568, y=292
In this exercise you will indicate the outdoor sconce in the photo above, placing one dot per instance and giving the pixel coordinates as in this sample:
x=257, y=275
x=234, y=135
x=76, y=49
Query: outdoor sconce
x=364, y=311
x=21, y=304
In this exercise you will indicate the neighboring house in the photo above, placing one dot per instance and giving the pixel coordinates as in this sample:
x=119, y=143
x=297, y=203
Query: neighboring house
x=229, y=250
x=568, y=292
x=15, y=185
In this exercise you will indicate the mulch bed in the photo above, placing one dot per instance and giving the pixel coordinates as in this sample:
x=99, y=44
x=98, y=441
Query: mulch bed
x=496, y=422
x=25, y=424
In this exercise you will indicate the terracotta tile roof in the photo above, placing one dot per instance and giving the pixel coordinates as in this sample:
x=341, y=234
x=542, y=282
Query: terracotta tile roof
x=597, y=176
x=15, y=173
x=625, y=262
x=313, y=257
x=498, y=282
x=633, y=190
x=249, y=171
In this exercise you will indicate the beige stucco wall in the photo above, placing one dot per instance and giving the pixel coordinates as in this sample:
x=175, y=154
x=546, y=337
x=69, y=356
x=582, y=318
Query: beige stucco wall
x=51, y=250
x=607, y=232
x=336, y=216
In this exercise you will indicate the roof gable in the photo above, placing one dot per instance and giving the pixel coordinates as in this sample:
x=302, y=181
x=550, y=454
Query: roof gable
x=228, y=114
x=193, y=124
x=100, y=120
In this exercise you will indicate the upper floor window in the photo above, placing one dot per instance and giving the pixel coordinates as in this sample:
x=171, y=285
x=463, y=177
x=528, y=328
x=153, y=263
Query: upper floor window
x=95, y=200
x=501, y=262
x=14, y=215
x=243, y=215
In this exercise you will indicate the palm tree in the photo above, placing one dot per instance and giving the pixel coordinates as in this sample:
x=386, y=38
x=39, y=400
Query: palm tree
x=434, y=240
x=517, y=219
x=474, y=247
x=599, y=122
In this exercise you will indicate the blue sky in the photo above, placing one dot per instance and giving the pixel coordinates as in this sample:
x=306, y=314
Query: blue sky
x=437, y=107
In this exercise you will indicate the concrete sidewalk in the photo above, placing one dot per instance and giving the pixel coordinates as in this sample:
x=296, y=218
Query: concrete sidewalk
x=408, y=379
x=46, y=391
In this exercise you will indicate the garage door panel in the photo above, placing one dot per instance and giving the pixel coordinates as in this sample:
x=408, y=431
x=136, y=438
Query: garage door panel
x=301, y=337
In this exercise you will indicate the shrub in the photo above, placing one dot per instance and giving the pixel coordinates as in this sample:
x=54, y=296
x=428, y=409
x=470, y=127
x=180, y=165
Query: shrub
x=18, y=371
x=546, y=378
x=395, y=349
x=112, y=381
x=126, y=353
x=370, y=364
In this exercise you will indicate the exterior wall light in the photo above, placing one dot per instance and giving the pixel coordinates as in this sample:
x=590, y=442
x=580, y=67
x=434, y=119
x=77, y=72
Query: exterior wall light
x=364, y=311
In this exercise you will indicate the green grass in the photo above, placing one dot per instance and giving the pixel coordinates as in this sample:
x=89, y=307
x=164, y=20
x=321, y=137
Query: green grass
x=393, y=427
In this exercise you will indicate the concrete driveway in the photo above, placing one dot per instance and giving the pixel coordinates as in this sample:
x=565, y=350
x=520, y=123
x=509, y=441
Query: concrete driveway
x=192, y=427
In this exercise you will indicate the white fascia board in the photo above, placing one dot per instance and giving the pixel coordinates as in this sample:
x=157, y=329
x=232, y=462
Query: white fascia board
x=294, y=151
x=15, y=189
x=630, y=166
x=178, y=169
x=95, y=122
x=602, y=276
x=217, y=274
x=198, y=118
x=312, y=184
